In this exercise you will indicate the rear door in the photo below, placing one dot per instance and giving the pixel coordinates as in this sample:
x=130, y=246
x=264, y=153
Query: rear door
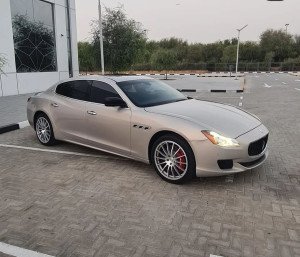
x=69, y=110
x=108, y=128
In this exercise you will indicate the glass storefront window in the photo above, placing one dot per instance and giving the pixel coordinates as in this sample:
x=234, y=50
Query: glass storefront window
x=34, y=35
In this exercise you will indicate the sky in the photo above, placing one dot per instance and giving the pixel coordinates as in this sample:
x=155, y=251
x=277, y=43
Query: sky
x=198, y=21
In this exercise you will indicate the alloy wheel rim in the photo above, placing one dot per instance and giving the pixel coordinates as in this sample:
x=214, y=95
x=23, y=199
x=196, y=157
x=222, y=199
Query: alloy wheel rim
x=171, y=160
x=43, y=130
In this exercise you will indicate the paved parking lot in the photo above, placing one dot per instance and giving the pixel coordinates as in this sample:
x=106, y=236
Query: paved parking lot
x=13, y=109
x=203, y=83
x=73, y=201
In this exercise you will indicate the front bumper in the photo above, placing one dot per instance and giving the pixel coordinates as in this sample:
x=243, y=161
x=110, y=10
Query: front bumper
x=208, y=154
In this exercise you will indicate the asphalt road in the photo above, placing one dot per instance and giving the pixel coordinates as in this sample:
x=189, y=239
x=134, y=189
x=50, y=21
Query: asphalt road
x=198, y=83
x=275, y=81
x=13, y=109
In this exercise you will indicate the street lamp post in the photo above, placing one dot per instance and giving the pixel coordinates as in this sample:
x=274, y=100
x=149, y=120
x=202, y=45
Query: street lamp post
x=237, y=50
x=101, y=38
x=286, y=26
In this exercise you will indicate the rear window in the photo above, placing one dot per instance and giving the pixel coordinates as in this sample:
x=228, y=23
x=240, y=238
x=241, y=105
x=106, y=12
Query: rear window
x=79, y=89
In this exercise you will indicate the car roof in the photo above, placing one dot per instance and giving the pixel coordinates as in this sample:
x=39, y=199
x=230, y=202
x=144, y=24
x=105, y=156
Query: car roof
x=114, y=78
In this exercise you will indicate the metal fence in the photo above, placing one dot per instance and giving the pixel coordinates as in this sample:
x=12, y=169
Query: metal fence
x=227, y=67
x=259, y=66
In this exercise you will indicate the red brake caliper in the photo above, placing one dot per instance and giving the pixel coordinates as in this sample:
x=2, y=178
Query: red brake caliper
x=181, y=159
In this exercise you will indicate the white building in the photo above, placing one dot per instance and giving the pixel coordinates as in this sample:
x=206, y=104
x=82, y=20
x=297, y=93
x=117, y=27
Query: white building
x=38, y=38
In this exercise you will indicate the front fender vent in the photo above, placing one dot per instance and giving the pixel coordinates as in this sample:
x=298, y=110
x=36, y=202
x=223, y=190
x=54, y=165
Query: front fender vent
x=141, y=127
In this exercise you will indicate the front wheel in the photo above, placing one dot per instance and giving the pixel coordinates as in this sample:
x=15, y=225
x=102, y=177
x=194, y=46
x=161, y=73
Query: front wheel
x=44, y=131
x=173, y=159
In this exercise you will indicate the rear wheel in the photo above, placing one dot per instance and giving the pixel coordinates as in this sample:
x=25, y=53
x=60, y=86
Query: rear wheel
x=44, y=131
x=173, y=159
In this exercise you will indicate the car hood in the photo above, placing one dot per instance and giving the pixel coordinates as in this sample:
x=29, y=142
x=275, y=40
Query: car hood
x=225, y=119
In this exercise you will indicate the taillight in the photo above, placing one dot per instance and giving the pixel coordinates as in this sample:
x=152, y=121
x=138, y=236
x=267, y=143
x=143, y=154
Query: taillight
x=28, y=100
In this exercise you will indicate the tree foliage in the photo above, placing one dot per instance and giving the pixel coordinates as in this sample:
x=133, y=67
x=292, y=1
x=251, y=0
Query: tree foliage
x=195, y=53
x=124, y=40
x=297, y=45
x=278, y=42
x=229, y=54
x=164, y=59
x=87, y=59
x=250, y=52
x=126, y=47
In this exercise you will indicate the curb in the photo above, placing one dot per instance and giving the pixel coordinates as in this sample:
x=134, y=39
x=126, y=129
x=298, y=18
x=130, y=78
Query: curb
x=212, y=90
x=189, y=74
x=163, y=74
x=14, y=126
x=295, y=74
x=218, y=76
x=240, y=74
x=243, y=84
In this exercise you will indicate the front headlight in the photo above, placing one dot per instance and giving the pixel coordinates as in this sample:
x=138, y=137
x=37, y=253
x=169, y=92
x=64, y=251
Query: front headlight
x=220, y=140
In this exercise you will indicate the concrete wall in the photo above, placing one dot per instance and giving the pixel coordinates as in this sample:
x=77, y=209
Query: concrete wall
x=12, y=83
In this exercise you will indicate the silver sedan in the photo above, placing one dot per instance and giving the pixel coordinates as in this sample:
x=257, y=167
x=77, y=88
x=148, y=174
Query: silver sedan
x=146, y=120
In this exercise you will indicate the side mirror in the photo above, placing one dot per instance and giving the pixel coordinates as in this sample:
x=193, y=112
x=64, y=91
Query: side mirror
x=114, y=101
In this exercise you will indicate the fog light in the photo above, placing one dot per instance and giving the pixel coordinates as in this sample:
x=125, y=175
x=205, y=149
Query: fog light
x=225, y=164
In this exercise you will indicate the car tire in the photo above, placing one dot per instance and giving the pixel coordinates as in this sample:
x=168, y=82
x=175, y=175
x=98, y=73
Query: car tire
x=173, y=159
x=44, y=130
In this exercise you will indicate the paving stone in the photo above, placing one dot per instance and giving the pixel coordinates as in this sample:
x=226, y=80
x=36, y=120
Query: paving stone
x=13, y=109
x=108, y=206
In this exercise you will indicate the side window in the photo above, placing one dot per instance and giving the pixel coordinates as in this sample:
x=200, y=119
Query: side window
x=64, y=89
x=100, y=91
x=79, y=89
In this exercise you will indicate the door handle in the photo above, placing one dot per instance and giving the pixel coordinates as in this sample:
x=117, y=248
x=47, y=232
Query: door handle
x=91, y=113
x=54, y=104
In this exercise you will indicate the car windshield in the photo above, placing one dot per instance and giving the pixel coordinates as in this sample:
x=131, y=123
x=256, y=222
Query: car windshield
x=150, y=92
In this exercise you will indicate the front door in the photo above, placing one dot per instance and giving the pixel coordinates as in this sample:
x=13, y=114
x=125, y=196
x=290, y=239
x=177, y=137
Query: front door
x=108, y=128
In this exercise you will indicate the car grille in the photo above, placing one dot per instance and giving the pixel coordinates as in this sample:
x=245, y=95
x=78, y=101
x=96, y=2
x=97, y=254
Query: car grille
x=258, y=146
x=249, y=164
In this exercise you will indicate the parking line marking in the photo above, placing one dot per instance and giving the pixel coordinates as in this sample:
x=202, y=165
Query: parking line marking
x=241, y=97
x=240, y=104
x=227, y=97
x=266, y=85
x=61, y=152
x=283, y=83
x=297, y=89
x=20, y=252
